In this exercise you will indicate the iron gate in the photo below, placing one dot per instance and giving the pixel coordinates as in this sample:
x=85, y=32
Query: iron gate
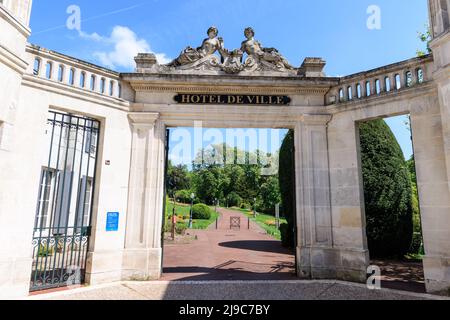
x=62, y=227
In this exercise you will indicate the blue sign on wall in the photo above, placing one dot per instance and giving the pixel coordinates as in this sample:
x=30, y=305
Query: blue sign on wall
x=112, y=221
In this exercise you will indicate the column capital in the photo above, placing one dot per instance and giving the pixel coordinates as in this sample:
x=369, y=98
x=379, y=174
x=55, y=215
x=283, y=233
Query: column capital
x=316, y=119
x=143, y=119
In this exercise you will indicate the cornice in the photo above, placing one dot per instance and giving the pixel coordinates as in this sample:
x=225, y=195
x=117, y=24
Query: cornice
x=18, y=25
x=13, y=61
x=244, y=89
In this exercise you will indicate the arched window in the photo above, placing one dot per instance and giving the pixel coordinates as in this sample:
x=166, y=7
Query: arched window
x=358, y=91
x=102, y=85
x=92, y=83
x=120, y=91
x=350, y=93
x=37, y=66
x=368, y=89
x=48, y=70
x=409, y=79
x=61, y=73
x=377, y=87
x=111, y=88
x=387, y=84
x=420, y=78
x=82, y=79
x=72, y=77
x=398, y=82
x=341, y=95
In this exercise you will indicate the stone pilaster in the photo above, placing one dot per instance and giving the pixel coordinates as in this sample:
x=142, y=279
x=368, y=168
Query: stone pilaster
x=351, y=256
x=436, y=210
x=317, y=256
x=143, y=245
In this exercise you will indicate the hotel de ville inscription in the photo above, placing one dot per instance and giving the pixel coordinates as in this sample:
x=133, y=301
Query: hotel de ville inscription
x=232, y=99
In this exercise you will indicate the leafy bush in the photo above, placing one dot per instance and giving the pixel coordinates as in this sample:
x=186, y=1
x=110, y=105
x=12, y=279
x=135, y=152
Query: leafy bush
x=201, y=212
x=387, y=191
x=180, y=228
x=246, y=206
x=234, y=199
x=417, y=244
x=183, y=196
x=287, y=189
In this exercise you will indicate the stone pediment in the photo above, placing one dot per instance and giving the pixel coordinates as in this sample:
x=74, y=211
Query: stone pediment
x=212, y=58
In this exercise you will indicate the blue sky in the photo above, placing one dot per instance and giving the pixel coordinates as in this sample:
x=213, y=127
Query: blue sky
x=111, y=31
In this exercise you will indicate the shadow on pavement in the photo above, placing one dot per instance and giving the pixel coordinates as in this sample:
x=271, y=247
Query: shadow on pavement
x=233, y=270
x=257, y=245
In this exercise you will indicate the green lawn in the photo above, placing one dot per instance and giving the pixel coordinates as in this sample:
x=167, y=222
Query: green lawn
x=267, y=222
x=183, y=212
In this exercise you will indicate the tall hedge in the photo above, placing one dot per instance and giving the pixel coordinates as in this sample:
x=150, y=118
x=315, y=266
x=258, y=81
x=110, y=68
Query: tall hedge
x=387, y=191
x=287, y=188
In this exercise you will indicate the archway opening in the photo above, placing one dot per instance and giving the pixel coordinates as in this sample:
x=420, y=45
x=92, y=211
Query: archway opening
x=224, y=217
x=393, y=220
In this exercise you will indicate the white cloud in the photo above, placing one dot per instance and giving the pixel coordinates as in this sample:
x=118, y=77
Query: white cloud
x=91, y=36
x=124, y=46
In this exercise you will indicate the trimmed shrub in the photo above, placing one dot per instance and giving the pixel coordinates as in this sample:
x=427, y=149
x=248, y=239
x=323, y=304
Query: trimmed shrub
x=287, y=235
x=387, y=191
x=287, y=189
x=201, y=212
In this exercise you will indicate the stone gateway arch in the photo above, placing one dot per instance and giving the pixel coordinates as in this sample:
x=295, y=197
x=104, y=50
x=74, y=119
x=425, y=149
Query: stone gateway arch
x=85, y=204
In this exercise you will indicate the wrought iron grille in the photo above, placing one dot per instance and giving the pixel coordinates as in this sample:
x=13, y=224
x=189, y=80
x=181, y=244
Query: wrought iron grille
x=62, y=227
x=235, y=223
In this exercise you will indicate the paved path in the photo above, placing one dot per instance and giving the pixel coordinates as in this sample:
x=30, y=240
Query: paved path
x=224, y=254
x=234, y=291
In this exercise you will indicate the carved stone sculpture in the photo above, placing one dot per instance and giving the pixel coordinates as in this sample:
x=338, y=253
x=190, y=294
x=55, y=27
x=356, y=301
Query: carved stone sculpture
x=203, y=56
x=232, y=62
x=261, y=59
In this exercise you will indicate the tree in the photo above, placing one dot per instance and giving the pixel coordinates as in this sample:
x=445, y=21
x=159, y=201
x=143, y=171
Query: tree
x=426, y=38
x=287, y=188
x=387, y=191
x=269, y=195
x=178, y=178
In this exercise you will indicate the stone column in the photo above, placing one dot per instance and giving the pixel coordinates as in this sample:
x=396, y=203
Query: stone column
x=315, y=254
x=143, y=248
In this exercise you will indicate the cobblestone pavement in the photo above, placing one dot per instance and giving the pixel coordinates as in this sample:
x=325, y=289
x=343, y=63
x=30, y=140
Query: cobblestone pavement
x=232, y=290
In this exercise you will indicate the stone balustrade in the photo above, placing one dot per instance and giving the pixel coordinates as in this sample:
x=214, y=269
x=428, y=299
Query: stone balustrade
x=79, y=74
x=382, y=81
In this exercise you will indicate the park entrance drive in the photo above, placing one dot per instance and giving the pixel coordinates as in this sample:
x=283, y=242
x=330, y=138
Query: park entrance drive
x=234, y=196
